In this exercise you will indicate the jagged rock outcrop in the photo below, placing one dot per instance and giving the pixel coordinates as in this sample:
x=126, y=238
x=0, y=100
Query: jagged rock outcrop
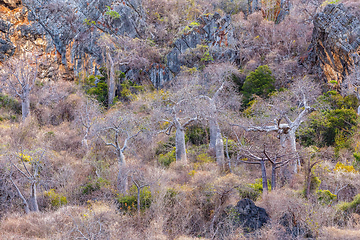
x=212, y=33
x=335, y=46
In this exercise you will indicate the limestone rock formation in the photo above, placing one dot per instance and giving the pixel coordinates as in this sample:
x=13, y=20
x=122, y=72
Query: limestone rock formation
x=211, y=31
x=335, y=45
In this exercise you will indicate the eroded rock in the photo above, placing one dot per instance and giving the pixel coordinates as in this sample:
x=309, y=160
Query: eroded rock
x=335, y=46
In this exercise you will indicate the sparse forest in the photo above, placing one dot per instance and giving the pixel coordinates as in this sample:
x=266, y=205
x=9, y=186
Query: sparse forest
x=179, y=119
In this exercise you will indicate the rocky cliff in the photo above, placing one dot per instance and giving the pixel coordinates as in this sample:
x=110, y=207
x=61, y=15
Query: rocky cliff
x=335, y=46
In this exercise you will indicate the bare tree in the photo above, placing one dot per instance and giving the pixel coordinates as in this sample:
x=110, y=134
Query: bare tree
x=29, y=169
x=19, y=77
x=218, y=91
x=88, y=114
x=178, y=115
x=280, y=109
x=119, y=130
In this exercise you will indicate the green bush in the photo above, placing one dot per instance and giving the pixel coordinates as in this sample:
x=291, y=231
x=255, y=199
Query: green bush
x=93, y=186
x=167, y=158
x=331, y=127
x=99, y=90
x=325, y=197
x=129, y=89
x=260, y=82
x=197, y=135
x=254, y=190
x=56, y=199
x=10, y=103
x=353, y=206
x=129, y=202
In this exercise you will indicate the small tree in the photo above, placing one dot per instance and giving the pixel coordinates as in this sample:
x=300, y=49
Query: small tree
x=88, y=114
x=28, y=168
x=19, y=77
x=118, y=130
x=260, y=82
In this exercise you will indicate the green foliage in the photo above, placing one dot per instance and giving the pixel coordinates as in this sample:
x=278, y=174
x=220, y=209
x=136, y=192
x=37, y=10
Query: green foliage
x=129, y=202
x=331, y=127
x=10, y=104
x=170, y=197
x=197, y=135
x=56, y=199
x=93, y=186
x=89, y=22
x=350, y=206
x=260, y=82
x=99, y=90
x=325, y=197
x=111, y=13
x=129, y=89
x=167, y=158
x=356, y=163
x=254, y=190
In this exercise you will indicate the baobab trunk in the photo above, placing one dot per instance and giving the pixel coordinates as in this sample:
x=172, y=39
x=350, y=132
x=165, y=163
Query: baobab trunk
x=25, y=103
x=122, y=174
x=33, y=199
x=180, y=145
x=111, y=83
x=263, y=174
x=216, y=143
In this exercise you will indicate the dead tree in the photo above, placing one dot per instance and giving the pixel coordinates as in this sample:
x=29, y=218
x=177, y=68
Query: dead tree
x=29, y=168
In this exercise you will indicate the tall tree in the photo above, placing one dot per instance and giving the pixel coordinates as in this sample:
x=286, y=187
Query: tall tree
x=118, y=130
x=286, y=110
x=19, y=77
x=215, y=86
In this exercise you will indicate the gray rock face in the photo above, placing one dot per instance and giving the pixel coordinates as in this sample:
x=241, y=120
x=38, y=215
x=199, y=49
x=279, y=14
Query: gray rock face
x=212, y=31
x=335, y=45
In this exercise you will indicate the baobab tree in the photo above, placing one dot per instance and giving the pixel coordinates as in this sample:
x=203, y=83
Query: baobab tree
x=19, y=77
x=29, y=168
x=280, y=109
x=178, y=115
x=117, y=132
x=216, y=93
x=88, y=114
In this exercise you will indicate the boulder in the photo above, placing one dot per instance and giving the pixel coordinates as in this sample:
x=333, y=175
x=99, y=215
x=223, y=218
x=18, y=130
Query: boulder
x=249, y=216
x=335, y=46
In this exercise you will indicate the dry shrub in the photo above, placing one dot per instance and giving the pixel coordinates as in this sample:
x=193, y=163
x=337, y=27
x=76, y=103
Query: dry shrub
x=288, y=209
x=334, y=233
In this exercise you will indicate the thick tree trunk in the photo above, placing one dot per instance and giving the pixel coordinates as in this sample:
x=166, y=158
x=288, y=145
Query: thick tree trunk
x=138, y=199
x=263, y=174
x=180, y=145
x=292, y=139
x=25, y=103
x=33, y=199
x=216, y=143
x=122, y=174
x=111, y=83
